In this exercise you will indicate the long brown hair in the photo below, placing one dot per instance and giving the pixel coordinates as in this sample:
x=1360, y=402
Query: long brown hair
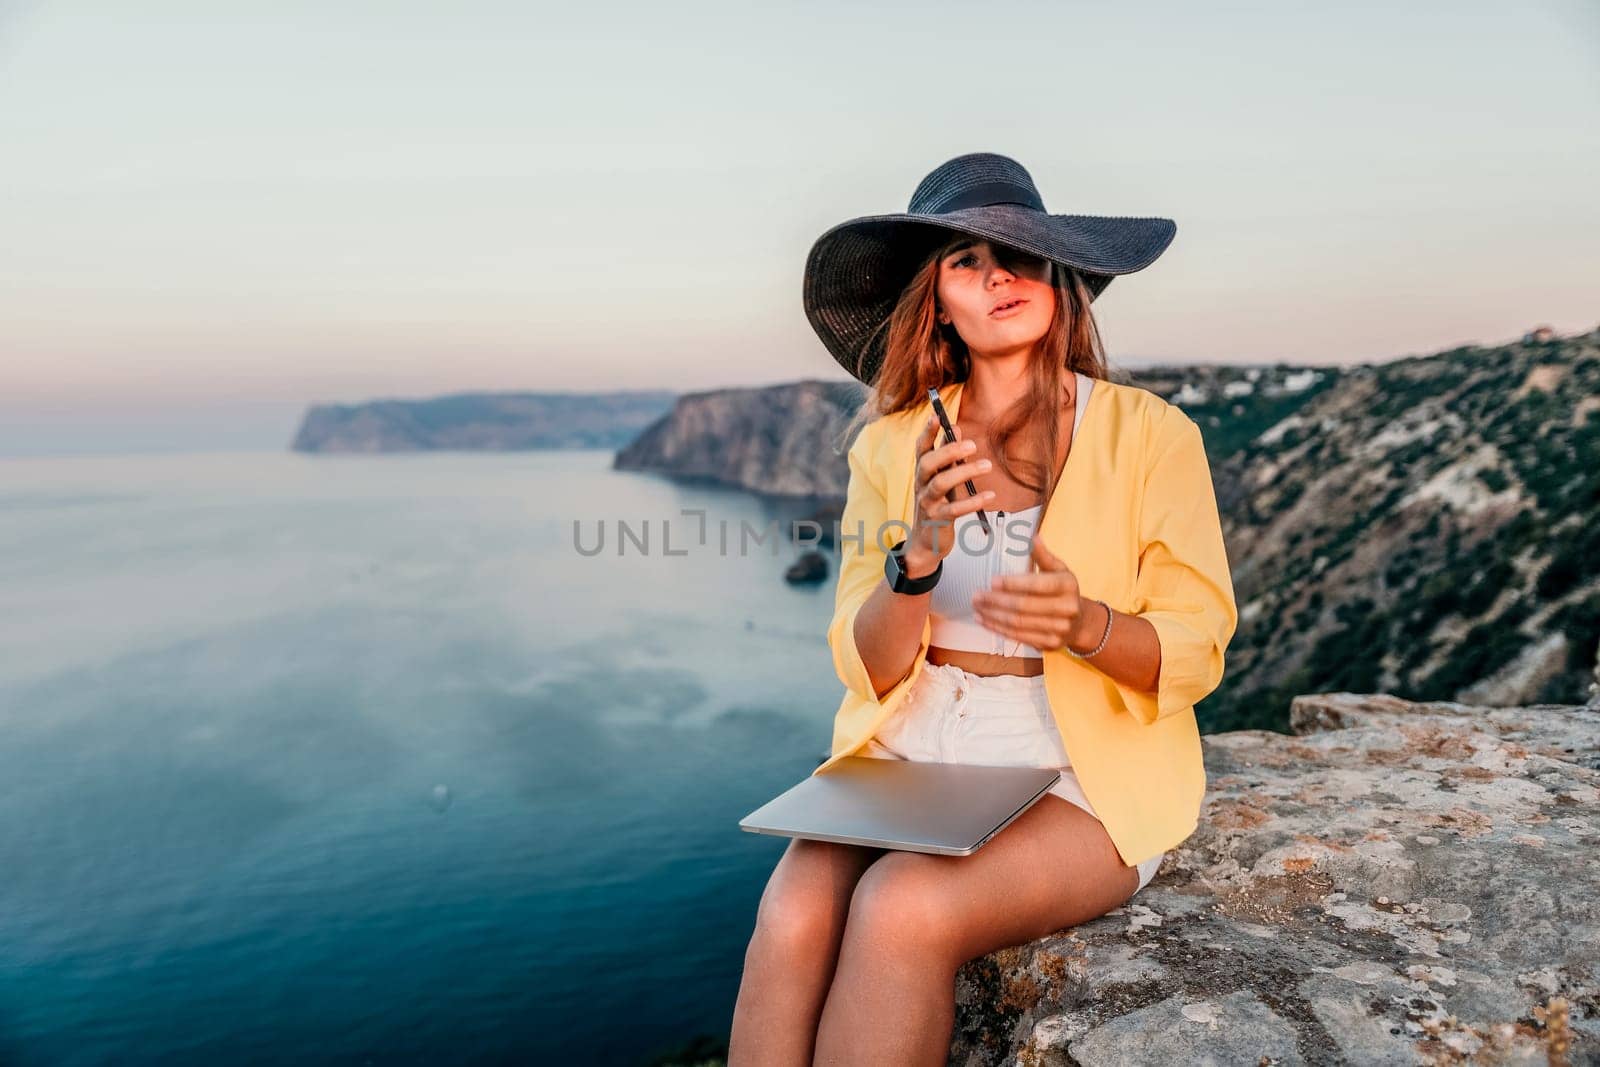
x=919, y=353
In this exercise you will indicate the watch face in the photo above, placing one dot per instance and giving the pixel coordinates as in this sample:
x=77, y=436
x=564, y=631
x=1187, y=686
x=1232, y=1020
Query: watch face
x=900, y=582
x=893, y=570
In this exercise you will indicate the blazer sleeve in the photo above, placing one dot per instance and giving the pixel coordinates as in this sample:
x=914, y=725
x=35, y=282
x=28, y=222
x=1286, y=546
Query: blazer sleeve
x=861, y=559
x=1184, y=586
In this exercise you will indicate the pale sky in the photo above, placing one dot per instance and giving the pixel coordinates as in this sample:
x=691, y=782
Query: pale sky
x=214, y=214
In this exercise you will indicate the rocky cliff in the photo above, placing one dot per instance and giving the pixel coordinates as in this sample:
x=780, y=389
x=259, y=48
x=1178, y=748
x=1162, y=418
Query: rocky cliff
x=494, y=422
x=1426, y=528
x=1398, y=883
x=775, y=440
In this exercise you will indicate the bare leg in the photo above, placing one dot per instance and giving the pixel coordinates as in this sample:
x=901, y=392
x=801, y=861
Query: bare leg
x=916, y=918
x=790, y=960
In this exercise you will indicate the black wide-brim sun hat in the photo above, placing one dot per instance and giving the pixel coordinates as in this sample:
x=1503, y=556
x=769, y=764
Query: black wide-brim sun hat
x=857, y=270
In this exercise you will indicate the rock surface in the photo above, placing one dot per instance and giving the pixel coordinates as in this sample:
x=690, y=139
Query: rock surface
x=1399, y=883
x=777, y=440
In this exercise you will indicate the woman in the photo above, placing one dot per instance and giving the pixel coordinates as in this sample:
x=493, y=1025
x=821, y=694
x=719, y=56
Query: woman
x=1079, y=632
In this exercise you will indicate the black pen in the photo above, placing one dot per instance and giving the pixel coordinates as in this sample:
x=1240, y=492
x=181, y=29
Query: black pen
x=949, y=436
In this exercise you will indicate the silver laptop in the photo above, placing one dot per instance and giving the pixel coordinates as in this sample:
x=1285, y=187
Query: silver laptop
x=950, y=809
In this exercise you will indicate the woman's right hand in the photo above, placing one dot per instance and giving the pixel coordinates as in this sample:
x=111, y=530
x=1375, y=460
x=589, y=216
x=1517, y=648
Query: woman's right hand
x=939, y=470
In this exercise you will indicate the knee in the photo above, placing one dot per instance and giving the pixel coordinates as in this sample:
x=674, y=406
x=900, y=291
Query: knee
x=794, y=924
x=900, y=905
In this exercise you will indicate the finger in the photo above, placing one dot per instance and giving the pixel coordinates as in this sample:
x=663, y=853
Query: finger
x=1052, y=622
x=966, y=503
x=1038, y=583
x=1013, y=622
x=926, y=440
x=1031, y=603
x=927, y=437
x=1053, y=604
x=937, y=505
x=958, y=475
x=941, y=458
x=1043, y=638
x=1046, y=559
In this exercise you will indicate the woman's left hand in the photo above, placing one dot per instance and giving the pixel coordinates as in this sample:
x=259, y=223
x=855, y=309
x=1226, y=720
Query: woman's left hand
x=1041, y=608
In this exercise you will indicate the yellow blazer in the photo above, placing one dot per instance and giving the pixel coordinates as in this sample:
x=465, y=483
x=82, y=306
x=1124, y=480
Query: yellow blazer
x=1134, y=515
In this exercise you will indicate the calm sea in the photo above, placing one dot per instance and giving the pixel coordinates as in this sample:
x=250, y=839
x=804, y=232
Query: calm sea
x=358, y=759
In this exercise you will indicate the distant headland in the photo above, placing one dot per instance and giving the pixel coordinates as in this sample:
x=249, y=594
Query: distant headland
x=482, y=422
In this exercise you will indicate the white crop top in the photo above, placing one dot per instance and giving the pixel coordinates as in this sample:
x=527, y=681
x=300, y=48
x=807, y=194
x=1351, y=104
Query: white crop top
x=975, y=558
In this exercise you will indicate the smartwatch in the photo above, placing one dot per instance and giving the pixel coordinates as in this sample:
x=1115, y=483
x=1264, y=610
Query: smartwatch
x=899, y=582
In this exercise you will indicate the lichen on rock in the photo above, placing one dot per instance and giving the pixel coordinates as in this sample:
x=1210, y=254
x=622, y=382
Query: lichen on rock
x=1398, y=883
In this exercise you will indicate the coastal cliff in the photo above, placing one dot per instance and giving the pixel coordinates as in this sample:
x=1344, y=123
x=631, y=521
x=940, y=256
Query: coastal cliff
x=777, y=440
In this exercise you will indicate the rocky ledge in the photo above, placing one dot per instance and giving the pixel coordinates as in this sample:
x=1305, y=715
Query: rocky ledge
x=1398, y=883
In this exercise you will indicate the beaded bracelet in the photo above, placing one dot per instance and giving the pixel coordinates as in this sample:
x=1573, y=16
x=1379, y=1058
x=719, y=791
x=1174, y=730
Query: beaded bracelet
x=1103, y=637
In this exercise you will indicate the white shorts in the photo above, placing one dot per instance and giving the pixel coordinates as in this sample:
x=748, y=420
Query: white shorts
x=953, y=716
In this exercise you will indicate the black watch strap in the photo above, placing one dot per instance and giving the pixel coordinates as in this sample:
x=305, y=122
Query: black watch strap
x=900, y=582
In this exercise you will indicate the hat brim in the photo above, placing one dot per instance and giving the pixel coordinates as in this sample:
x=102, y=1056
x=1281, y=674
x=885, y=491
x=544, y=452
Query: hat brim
x=856, y=271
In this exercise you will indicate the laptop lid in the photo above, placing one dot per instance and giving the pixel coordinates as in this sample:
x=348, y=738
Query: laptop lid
x=950, y=809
